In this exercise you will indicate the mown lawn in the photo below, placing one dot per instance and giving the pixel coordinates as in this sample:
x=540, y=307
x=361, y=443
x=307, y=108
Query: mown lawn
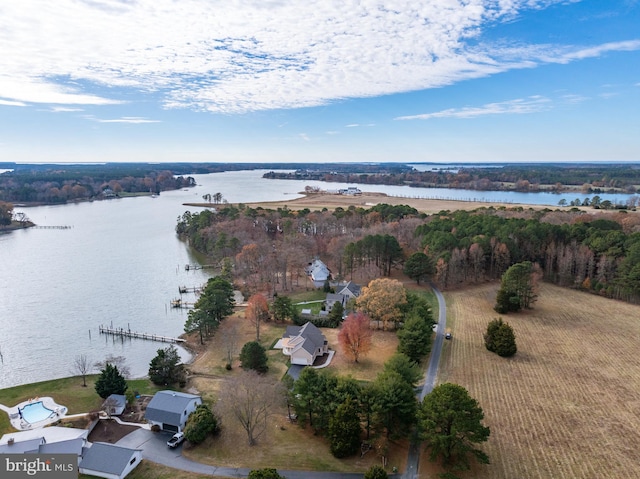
x=67, y=392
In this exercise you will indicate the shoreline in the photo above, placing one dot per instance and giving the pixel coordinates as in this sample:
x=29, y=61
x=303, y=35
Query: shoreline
x=318, y=201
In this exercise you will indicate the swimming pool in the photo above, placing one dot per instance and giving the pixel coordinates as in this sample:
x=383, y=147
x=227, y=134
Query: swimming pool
x=35, y=412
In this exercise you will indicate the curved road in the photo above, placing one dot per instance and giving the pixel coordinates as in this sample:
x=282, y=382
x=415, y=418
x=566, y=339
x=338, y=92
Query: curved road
x=154, y=445
x=411, y=472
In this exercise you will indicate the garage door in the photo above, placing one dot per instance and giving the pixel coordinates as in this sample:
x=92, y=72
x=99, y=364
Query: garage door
x=169, y=427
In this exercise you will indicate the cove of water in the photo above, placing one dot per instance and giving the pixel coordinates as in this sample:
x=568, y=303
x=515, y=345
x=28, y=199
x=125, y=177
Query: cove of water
x=121, y=263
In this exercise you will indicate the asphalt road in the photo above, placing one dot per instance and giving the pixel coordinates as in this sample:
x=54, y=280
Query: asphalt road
x=411, y=472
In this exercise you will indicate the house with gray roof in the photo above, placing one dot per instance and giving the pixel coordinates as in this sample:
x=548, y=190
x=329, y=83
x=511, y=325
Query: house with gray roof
x=304, y=344
x=109, y=460
x=333, y=298
x=351, y=290
x=169, y=410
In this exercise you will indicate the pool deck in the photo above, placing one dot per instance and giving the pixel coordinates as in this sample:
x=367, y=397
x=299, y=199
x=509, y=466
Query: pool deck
x=58, y=412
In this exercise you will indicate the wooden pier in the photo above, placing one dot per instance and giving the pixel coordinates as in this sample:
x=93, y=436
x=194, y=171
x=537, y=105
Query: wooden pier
x=178, y=303
x=44, y=227
x=187, y=289
x=194, y=267
x=127, y=333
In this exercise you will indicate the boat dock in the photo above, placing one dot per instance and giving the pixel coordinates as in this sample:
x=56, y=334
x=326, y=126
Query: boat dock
x=178, y=303
x=195, y=267
x=187, y=289
x=44, y=227
x=127, y=333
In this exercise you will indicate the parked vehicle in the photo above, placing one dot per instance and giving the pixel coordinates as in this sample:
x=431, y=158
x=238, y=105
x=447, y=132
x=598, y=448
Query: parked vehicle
x=447, y=336
x=176, y=440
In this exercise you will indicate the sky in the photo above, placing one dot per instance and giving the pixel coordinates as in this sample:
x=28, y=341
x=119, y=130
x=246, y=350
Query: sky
x=319, y=81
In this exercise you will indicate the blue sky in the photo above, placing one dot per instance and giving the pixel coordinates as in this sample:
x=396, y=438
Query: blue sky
x=319, y=80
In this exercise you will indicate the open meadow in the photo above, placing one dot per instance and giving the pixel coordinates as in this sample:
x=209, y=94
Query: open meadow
x=566, y=405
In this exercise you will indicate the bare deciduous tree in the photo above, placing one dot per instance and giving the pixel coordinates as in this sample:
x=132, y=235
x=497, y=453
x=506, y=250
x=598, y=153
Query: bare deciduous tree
x=117, y=361
x=230, y=337
x=251, y=399
x=82, y=366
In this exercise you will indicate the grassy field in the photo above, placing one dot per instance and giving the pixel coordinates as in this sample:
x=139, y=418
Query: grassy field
x=566, y=406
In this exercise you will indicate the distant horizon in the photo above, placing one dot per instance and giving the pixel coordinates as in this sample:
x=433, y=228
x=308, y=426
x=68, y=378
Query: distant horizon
x=434, y=81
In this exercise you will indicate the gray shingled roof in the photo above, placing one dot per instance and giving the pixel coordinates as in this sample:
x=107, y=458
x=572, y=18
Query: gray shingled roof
x=167, y=407
x=22, y=447
x=108, y=458
x=72, y=446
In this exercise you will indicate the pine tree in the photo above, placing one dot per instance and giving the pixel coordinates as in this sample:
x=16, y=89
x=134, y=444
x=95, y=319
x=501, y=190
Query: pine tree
x=110, y=382
x=344, y=430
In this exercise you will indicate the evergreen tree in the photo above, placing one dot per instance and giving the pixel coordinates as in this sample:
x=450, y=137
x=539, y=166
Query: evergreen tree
x=451, y=425
x=414, y=339
x=517, y=288
x=165, y=368
x=253, y=356
x=419, y=266
x=110, y=382
x=344, y=430
x=500, y=338
x=201, y=423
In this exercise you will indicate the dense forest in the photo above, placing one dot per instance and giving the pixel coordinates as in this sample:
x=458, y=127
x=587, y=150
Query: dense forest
x=523, y=177
x=269, y=248
x=54, y=184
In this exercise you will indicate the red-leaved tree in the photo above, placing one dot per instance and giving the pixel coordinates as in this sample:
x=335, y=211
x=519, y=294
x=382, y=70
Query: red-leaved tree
x=355, y=335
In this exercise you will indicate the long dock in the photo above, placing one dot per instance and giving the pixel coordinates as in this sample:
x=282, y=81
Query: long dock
x=45, y=227
x=126, y=333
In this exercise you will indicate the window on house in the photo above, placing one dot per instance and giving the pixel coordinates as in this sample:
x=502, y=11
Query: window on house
x=132, y=461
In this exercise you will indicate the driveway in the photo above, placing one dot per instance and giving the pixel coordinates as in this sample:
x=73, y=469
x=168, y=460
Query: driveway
x=154, y=448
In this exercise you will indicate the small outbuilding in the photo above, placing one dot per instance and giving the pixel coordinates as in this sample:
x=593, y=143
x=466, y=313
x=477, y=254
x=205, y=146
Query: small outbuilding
x=115, y=404
x=169, y=410
x=109, y=461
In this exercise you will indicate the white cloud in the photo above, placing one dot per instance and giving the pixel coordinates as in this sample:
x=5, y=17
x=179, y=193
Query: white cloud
x=532, y=104
x=125, y=119
x=12, y=103
x=64, y=109
x=250, y=55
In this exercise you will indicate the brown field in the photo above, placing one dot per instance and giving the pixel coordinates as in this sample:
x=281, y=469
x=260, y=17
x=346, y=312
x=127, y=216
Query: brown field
x=567, y=405
x=367, y=200
x=285, y=445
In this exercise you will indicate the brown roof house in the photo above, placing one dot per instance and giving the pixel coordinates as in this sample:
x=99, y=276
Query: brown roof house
x=304, y=344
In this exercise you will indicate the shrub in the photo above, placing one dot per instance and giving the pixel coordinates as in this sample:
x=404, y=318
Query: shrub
x=500, y=338
x=253, y=356
x=375, y=472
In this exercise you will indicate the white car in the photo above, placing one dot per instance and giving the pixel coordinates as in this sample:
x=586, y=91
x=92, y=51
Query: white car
x=176, y=440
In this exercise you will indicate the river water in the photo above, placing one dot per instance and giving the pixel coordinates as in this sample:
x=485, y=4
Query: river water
x=120, y=264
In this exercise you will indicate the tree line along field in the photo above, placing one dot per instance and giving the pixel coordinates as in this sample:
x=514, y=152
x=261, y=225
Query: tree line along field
x=566, y=405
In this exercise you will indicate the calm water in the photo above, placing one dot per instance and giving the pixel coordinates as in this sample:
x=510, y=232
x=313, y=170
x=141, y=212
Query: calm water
x=121, y=263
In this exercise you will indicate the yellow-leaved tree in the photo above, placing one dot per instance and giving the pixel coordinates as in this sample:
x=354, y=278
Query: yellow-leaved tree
x=382, y=301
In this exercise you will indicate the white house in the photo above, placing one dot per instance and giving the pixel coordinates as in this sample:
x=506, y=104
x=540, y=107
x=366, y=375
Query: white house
x=333, y=298
x=304, y=344
x=318, y=271
x=109, y=461
x=170, y=409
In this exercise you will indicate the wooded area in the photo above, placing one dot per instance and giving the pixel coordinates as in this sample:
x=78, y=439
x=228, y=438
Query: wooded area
x=595, y=252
